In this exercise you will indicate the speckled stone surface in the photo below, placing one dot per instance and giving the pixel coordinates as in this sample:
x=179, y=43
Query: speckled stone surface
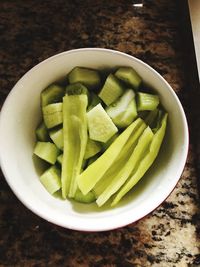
x=31, y=31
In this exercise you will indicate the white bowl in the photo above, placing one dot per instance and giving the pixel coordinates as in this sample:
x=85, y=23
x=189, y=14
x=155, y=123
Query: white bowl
x=21, y=113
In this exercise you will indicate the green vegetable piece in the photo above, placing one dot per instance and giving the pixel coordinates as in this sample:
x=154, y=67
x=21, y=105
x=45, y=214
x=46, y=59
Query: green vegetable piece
x=120, y=161
x=123, y=111
x=52, y=115
x=145, y=163
x=129, y=76
x=110, y=141
x=147, y=101
x=100, y=126
x=111, y=90
x=124, y=173
x=95, y=100
x=76, y=89
x=128, y=116
x=92, y=159
x=46, y=151
x=92, y=148
x=89, y=77
x=97, y=169
x=52, y=94
x=57, y=137
x=59, y=159
x=75, y=141
x=51, y=179
x=88, y=198
x=42, y=133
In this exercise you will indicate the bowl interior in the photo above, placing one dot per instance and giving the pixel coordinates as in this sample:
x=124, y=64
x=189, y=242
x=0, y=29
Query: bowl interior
x=21, y=114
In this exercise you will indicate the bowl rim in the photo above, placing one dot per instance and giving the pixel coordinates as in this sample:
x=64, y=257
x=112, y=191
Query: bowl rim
x=116, y=224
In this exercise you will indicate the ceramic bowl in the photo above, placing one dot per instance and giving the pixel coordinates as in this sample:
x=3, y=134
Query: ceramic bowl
x=20, y=115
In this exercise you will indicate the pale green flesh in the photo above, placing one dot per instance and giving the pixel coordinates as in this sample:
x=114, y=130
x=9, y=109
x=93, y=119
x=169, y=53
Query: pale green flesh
x=75, y=140
x=42, y=133
x=147, y=101
x=123, y=175
x=52, y=94
x=120, y=161
x=92, y=148
x=57, y=137
x=52, y=115
x=145, y=163
x=89, y=77
x=51, y=179
x=111, y=90
x=46, y=151
x=88, y=198
x=88, y=178
x=100, y=126
x=129, y=76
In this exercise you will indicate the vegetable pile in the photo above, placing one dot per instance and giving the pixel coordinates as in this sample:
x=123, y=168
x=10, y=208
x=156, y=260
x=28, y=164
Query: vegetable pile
x=99, y=134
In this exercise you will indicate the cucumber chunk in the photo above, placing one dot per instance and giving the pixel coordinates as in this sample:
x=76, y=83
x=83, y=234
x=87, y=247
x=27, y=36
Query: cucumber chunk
x=59, y=159
x=46, y=151
x=52, y=115
x=51, y=179
x=97, y=169
x=120, y=161
x=92, y=148
x=122, y=112
x=111, y=90
x=100, y=126
x=52, y=94
x=128, y=116
x=124, y=173
x=88, y=198
x=42, y=132
x=145, y=163
x=76, y=89
x=56, y=136
x=129, y=76
x=75, y=140
x=89, y=77
x=147, y=101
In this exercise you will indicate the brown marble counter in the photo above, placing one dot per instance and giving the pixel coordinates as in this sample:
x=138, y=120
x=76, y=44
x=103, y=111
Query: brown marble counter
x=31, y=31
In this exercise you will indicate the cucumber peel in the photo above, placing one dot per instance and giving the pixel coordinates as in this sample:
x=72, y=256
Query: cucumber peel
x=145, y=163
x=75, y=140
x=123, y=175
x=94, y=172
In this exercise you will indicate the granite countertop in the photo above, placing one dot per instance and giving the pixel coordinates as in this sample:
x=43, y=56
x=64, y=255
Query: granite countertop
x=31, y=31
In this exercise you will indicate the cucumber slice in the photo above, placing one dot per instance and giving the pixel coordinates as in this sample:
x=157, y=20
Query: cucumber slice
x=52, y=94
x=57, y=137
x=97, y=169
x=147, y=101
x=120, y=161
x=42, y=133
x=75, y=140
x=51, y=179
x=111, y=90
x=89, y=77
x=129, y=76
x=59, y=159
x=46, y=151
x=127, y=117
x=92, y=148
x=145, y=163
x=122, y=112
x=76, y=89
x=124, y=173
x=100, y=126
x=88, y=198
x=52, y=115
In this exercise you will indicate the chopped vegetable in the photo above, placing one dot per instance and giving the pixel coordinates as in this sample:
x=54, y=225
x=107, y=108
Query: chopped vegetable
x=51, y=179
x=129, y=76
x=46, y=151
